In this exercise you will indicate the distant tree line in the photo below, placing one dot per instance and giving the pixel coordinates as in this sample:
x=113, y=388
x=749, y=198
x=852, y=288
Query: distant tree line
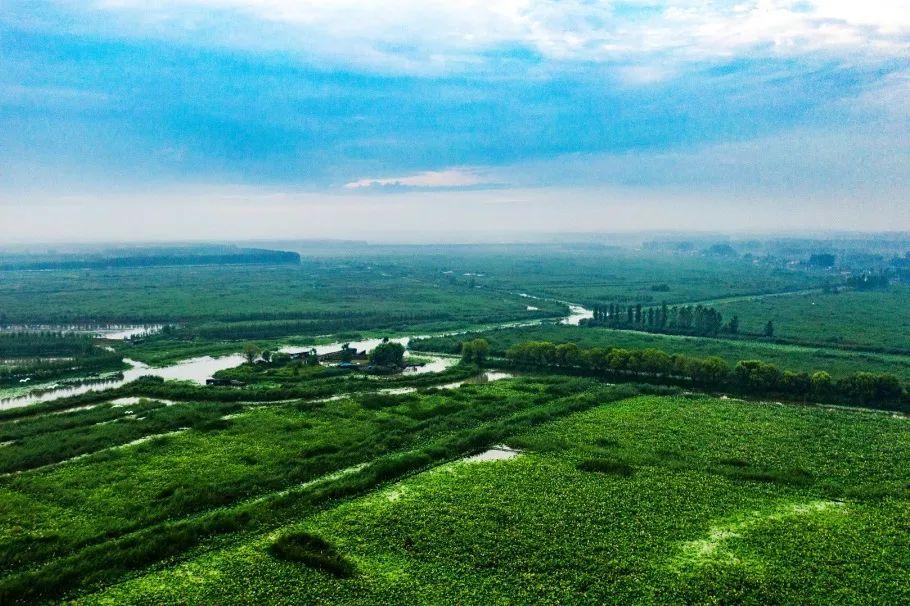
x=686, y=319
x=280, y=328
x=39, y=370
x=750, y=377
x=869, y=282
x=45, y=344
x=244, y=256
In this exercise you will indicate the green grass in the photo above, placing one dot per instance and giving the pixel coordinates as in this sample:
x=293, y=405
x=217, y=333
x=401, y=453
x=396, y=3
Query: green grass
x=595, y=274
x=311, y=551
x=49, y=439
x=221, y=301
x=710, y=513
x=874, y=319
x=64, y=520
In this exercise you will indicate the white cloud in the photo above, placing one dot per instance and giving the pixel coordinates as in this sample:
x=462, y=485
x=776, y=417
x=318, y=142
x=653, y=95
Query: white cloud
x=444, y=35
x=444, y=179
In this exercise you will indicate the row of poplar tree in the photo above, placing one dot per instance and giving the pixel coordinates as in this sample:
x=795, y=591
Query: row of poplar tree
x=684, y=319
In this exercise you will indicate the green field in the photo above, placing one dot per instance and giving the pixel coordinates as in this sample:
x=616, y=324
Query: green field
x=650, y=500
x=468, y=284
x=146, y=470
x=871, y=319
x=329, y=485
x=591, y=274
x=339, y=293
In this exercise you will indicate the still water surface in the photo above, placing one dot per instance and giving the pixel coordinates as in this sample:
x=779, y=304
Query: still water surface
x=199, y=369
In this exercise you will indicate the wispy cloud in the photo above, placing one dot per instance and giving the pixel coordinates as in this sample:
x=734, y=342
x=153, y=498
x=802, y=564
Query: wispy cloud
x=406, y=98
x=452, y=178
x=440, y=35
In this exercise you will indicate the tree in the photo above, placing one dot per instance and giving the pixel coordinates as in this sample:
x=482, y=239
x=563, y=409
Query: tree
x=796, y=383
x=347, y=352
x=388, y=354
x=869, y=388
x=655, y=361
x=769, y=329
x=568, y=354
x=684, y=320
x=733, y=325
x=475, y=351
x=250, y=351
x=756, y=376
x=822, y=384
x=710, y=371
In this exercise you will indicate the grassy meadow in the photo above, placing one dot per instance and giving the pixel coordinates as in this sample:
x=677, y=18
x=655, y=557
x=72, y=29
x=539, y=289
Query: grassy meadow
x=870, y=319
x=647, y=500
x=327, y=485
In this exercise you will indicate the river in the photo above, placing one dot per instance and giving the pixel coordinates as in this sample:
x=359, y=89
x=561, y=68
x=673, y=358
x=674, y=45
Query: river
x=197, y=370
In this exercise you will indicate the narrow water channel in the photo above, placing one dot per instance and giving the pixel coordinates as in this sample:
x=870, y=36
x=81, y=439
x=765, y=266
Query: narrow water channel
x=199, y=369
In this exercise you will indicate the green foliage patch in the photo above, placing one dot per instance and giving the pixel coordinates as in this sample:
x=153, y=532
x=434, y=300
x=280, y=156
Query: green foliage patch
x=536, y=529
x=311, y=551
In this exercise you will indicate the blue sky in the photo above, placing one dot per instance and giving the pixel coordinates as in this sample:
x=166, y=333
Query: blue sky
x=438, y=115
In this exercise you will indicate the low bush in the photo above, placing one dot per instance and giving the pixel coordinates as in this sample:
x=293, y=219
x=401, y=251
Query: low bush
x=311, y=551
x=617, y=468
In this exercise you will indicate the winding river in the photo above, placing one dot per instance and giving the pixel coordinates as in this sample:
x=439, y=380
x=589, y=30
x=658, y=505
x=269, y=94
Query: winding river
x=197, y=370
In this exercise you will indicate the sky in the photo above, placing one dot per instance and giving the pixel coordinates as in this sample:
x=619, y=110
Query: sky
x=234, y=119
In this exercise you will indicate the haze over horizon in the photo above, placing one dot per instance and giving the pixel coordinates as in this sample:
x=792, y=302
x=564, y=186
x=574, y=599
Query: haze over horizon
x=270, y=119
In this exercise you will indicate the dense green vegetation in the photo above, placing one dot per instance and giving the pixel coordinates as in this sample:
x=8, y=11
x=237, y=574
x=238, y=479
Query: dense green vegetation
x=872, y=319
x=693, y=500
x=44, y=344
x=44, y=356
x=355, y=294
x=838, y=363
x=750, y=377
x=293, y=481
x=100, y=515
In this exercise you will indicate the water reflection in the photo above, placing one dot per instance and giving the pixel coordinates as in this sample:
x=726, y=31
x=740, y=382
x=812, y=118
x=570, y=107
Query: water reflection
x=577, y=313
x=196, y=370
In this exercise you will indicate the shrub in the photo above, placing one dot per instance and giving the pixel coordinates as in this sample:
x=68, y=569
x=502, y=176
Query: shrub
x=311, y=551
x=388, y=354
x=475, y=351
x=617, y=468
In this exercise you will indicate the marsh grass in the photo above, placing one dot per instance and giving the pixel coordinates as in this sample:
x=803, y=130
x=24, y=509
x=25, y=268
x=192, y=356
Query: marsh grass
x=313, y=551
x=190, y=510
x=606, y=466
